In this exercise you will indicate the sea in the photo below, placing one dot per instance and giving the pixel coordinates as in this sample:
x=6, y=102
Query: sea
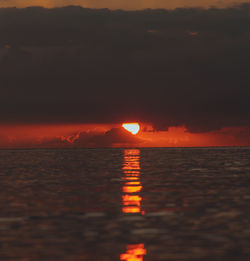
x=128, y=204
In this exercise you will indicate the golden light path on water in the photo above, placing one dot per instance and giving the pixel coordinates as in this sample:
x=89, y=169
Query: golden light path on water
x=134, y=253
x=131, y=200
x=131, y=170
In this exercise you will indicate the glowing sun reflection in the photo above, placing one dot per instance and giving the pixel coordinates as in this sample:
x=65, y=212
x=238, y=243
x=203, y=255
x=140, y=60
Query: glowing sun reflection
x=134, y=253
x=131, y=170
x=131, y=201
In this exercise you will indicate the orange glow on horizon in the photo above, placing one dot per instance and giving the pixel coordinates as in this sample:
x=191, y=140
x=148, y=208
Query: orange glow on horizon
x=127, y=5
x=41, y=135
x=131, y=127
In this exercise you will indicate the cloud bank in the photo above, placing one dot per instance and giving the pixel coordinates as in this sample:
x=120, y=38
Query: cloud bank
x=121, y=4
x=185, y=67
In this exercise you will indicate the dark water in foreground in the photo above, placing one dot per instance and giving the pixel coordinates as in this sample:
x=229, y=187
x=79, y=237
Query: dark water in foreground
x=129, y=205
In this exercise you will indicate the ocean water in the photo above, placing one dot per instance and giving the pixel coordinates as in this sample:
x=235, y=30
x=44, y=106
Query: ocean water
x=125, y=204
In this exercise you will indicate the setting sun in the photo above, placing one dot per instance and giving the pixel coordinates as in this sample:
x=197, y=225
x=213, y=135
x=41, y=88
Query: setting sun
x=131, y=127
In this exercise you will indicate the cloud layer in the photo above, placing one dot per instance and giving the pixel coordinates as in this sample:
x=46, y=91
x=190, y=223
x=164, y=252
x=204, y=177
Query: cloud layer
x=187, y=67
x=121, y=4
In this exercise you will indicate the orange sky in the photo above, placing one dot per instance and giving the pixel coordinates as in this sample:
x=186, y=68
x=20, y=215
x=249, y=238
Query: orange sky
x=33, y=135
x=121, y=4
x=178, y=136
x=42, y=135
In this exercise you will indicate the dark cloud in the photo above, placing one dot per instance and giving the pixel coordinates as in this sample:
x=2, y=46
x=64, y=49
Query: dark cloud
x=121, y=4
x=182, y=67
x=115, y=137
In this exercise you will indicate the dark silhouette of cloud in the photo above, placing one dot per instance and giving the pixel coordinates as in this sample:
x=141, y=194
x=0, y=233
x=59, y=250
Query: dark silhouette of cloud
x=115, y=137
x=121, y=4
x=186, y=67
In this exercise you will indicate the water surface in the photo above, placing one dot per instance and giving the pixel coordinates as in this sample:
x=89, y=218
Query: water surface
x=125, y=204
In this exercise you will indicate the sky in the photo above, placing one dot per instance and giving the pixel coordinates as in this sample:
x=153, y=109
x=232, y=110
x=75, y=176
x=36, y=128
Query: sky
x=71, y=76
x=121, y=4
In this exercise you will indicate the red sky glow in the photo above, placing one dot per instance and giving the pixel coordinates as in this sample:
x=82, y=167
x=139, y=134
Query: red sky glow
x=80, y=135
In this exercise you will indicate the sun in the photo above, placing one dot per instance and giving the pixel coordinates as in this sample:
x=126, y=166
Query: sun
x=132, y=127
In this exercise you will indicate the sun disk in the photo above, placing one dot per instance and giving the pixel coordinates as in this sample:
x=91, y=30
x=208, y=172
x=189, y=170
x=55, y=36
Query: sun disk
x=131, y=127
